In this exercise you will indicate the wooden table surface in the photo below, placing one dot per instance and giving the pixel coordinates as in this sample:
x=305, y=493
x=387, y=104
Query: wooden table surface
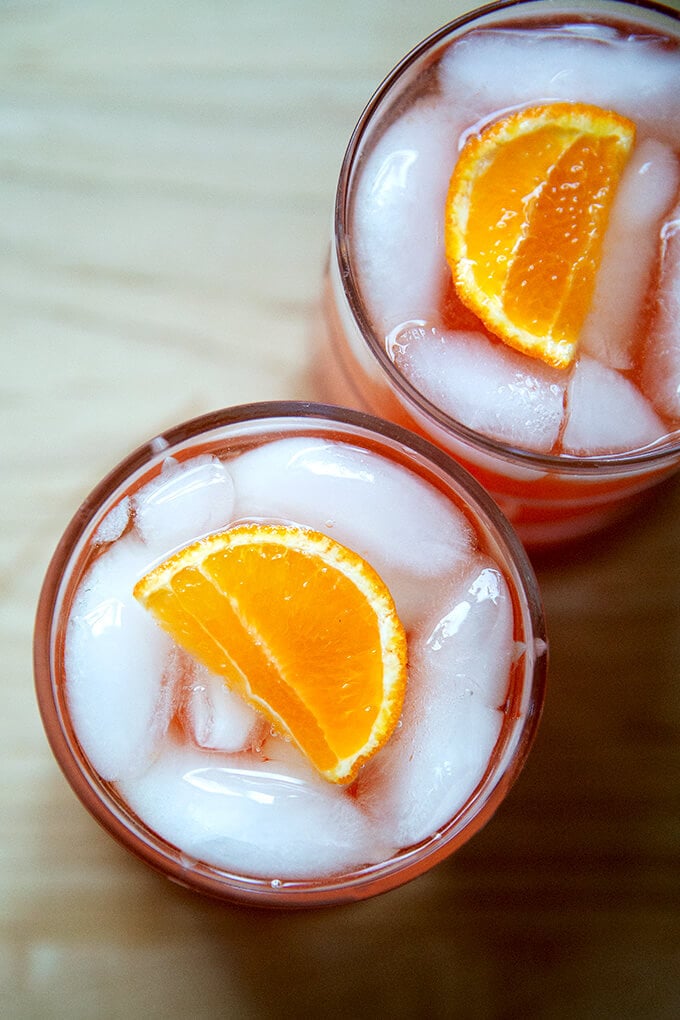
x=166, y=183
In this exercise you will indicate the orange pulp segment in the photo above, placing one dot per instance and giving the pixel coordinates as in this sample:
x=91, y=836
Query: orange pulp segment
x=300, y=626
x=526, y=212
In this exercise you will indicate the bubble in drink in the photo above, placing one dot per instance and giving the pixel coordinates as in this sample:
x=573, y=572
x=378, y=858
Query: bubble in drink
x=204, y=773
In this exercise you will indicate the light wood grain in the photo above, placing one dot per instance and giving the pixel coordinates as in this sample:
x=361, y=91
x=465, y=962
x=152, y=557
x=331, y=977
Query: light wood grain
x=166, y=183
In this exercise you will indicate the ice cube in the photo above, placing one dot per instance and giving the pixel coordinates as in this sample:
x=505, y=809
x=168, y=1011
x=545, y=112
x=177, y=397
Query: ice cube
x=217, y=718
x=606, y=413
x=115, y=522
x=504, y=68
x=121, y=671
x=631, y=248
x=484, y=385
x=185, y=501
x=267, y=816
x=458, y=678
x=399, y=214
x=661, y=373
x=400, y=524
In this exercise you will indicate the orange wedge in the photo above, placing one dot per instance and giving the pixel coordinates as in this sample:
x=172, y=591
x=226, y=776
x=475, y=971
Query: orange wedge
x=300, y=626
x=526, y=212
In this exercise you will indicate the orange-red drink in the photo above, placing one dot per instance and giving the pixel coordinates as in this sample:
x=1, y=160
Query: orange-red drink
x=290, y=655
x=505, y=271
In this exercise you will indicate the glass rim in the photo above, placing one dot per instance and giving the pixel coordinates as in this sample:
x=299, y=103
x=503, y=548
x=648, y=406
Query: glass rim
x=131, y=832
x=665, y=450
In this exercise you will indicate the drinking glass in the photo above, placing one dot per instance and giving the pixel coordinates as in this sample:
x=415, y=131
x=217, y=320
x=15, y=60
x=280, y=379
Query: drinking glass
x=548, y=497
x=225, y=434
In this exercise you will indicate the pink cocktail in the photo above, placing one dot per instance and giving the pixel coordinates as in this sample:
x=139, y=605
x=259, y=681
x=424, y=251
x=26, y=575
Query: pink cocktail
x=187, y=775
x=563, y=451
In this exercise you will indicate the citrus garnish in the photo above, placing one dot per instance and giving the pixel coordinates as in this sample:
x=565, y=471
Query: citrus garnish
x=526, y=213
x=300, y=626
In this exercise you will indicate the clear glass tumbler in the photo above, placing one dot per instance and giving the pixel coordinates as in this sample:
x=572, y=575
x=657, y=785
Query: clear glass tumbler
x=387, y=260
x=194, y=811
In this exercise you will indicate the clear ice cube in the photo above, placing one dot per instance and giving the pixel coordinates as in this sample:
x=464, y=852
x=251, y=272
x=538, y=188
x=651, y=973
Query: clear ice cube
x=265, y=815
x=632, y=245
x=606, y=413
x=398, y=214
x=661, y=374
x=484, y=385
x=504, y=68
x=402, y=526
x=122, y=669
x=185, y=501
x=452, y=716
x=215, y=717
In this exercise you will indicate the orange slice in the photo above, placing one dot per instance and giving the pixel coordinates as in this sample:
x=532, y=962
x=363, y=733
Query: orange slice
x=300, y=626
x=526, y=212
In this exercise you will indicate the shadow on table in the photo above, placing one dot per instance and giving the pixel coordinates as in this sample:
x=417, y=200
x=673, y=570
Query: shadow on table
x=567, y=903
